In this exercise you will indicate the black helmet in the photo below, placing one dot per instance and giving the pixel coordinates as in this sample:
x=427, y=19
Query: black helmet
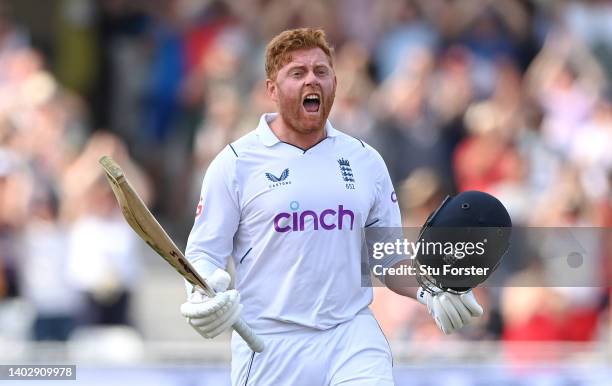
x=470, y=230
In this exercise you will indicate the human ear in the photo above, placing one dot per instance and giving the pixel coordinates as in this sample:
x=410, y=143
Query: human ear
x=272, y=90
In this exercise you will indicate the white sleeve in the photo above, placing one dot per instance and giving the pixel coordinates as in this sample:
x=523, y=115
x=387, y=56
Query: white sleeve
x=385, y=211
x=210, y=242
x=384, y=222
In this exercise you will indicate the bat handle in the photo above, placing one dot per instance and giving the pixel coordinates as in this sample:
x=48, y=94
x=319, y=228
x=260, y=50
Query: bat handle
x=243, y=329
x=254, y=342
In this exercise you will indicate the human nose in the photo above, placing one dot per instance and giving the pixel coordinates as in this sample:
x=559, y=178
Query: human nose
x=311, y=79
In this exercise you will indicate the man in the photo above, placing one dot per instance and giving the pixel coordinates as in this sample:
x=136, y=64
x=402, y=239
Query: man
x=289, y=202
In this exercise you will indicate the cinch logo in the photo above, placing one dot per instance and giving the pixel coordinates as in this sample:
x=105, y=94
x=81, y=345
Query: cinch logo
x=328, y=219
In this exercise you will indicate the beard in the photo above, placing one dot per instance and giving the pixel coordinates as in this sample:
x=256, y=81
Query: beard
x=293, y=113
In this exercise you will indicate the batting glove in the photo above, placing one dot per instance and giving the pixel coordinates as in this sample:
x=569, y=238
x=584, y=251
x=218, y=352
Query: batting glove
x=450, y=311
x=211, y=316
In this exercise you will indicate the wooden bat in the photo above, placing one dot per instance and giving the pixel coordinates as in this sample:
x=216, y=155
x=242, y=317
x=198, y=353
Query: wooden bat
x=146, y=226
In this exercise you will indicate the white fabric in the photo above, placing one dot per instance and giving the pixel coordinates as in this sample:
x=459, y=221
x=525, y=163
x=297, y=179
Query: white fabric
x=96, y=264
x=353, y=353
x=214, y=276
x=450, y=311
x=219, y=280
x=296, y=242
x=43, y=272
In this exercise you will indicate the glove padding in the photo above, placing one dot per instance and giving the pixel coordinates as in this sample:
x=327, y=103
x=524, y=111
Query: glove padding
x=450, y=311
x=211, y=316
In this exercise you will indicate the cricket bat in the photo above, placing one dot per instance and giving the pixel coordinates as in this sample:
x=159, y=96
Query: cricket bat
x=146, y=226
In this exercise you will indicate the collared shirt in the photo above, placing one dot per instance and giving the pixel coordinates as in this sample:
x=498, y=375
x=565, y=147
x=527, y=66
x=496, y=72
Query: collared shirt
x=292, y=220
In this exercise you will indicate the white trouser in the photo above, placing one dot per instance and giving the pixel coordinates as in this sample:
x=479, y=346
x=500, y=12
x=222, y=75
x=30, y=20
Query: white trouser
x=354, y=353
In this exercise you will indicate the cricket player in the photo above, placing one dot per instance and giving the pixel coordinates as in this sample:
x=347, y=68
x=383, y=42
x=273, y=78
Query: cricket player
x=288, y=202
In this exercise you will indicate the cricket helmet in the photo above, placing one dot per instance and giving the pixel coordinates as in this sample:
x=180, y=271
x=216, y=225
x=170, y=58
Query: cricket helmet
x=469, y=230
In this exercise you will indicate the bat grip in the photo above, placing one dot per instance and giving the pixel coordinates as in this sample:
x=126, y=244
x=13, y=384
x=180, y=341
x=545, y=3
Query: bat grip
x=243, y=329
x=254, y=342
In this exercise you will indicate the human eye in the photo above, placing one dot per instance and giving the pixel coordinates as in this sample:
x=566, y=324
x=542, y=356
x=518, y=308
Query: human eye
x=322, y=71
x=296, y=73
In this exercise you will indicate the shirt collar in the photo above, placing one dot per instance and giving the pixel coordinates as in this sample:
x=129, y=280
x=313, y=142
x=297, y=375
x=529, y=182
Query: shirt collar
x=267, y=136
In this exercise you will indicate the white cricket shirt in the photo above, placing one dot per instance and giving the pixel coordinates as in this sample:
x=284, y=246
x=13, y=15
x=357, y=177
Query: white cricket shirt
x=293, y=220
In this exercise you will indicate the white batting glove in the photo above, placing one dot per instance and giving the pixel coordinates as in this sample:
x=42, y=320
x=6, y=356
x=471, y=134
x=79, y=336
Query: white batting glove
x=450, y=311
x=211, y=316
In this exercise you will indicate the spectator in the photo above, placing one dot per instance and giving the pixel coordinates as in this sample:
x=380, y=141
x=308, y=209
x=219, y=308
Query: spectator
x=104, y=272
x=43, y=269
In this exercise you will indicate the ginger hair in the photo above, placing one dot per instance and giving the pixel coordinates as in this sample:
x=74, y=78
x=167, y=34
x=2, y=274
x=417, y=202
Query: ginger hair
x=278, y=51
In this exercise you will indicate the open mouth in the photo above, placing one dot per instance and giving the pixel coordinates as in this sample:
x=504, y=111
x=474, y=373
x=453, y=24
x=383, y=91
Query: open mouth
x=311, y=103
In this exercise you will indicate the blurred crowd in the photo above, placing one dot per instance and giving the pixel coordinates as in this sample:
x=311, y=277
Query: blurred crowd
x=509, y=97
